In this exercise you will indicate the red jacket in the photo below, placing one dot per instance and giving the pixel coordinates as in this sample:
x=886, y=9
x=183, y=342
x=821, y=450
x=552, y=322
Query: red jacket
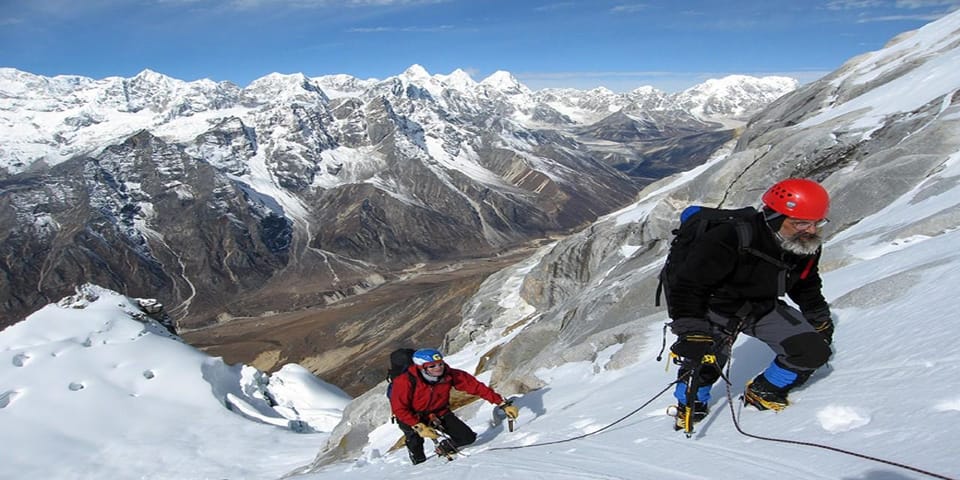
x=433, y=397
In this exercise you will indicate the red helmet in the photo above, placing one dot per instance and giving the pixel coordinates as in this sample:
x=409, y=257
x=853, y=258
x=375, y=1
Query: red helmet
x=798, y=198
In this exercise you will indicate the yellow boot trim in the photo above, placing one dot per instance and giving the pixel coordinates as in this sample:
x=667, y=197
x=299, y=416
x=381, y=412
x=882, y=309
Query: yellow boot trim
x=752, y=398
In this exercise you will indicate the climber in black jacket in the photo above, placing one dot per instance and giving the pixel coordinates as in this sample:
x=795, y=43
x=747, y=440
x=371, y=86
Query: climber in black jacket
x=721, y=290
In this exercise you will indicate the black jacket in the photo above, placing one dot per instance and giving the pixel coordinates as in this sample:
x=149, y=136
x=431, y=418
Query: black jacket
x=716, y=275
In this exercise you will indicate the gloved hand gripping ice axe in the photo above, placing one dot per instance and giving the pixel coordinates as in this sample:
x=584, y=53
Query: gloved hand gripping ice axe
x=505, y=410
x=443, y=445
x=693, y=386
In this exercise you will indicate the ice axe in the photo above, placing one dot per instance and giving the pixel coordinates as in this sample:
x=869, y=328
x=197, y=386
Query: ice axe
x=443, y=446
x=499, y=416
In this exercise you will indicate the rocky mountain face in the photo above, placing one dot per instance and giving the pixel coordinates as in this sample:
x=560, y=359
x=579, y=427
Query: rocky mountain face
x=142, y=214
x=295, y=192
x=882, y=134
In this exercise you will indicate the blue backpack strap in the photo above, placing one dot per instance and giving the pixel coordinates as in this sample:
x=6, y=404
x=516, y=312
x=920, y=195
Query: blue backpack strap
x=688, y=212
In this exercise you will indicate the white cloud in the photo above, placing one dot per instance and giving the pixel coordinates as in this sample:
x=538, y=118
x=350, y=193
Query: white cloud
x=628, y=8
x=251, y=4
x=899, y=18
x=438, y=28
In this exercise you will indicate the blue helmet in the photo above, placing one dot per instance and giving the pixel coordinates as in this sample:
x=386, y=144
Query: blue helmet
x=426, y=355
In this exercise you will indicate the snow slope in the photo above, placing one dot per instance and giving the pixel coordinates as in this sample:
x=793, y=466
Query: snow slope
x=87, y=391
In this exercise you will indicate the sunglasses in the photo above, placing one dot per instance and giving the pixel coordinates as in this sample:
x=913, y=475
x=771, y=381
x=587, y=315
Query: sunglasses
x=806, y=224
x=432, y=365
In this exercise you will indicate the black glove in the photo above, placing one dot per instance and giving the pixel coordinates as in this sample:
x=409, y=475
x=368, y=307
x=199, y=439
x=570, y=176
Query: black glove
x=824, y=326
x=692, y=346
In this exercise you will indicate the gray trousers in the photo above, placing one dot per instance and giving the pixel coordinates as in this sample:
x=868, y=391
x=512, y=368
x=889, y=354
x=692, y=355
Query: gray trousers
x=797, y=345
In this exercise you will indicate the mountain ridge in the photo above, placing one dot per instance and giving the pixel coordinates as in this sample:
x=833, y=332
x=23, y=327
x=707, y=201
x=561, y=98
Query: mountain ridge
x=170, y=98
x=281, y=202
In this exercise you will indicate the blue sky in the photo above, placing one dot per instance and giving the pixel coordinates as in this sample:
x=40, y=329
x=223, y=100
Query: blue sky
x=619, y=44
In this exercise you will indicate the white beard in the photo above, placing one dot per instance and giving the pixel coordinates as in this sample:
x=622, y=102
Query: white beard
x=801, y=244
x=429, y=378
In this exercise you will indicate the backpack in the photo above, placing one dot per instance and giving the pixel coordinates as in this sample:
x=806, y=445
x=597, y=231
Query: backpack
x=696, y=219
x=400, y=361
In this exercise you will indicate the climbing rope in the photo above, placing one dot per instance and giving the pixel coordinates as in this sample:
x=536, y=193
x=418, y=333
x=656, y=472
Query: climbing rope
x=736, y=424
x=641, y=407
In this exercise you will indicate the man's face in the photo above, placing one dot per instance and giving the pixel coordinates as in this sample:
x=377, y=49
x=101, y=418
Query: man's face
x=801, y=237
x=434, y=368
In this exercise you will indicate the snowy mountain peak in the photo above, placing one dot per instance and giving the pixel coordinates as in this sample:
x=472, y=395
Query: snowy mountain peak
x=931, y=40
x=342, y=85
x=505, y=82
x=459, y=80
x=150, y=76
x=277, y=87
x=416, y=72
x=276, y=78
x=734, y=95
x=646, y=90
x=601, y=91
x=15, y=83
x=735, y=83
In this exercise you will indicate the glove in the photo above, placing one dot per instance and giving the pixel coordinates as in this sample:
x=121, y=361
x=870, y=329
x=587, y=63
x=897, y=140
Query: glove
x=692, y=346
x=824, y=326
x=511, y=411
x=425, y=431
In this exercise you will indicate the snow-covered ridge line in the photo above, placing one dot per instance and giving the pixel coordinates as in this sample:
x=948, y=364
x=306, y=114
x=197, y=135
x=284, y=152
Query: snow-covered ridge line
x=55, y=118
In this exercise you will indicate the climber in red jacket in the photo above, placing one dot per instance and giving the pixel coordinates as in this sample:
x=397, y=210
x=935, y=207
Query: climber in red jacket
x=421, y=402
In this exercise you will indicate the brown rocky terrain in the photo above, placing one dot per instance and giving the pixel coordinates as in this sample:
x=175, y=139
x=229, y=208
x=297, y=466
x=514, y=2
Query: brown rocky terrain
x=347, y=343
